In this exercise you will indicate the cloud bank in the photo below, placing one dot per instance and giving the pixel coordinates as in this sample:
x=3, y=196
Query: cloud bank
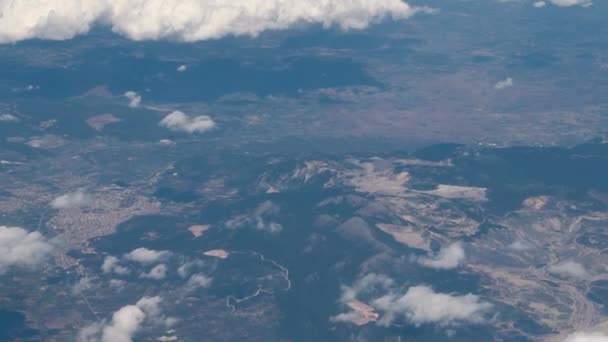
x=187, y=20
x=19, y=248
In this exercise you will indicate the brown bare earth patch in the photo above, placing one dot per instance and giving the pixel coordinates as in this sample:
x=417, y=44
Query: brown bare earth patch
x=217, y=253
x=406, y=235
x=198, y=230
x=366, y=313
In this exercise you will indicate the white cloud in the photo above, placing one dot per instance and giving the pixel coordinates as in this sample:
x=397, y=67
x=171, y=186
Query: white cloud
x=182, y=68
x=260, y=218
x=146, y=256
x=539, y=4
x=111, y=265
x=270, y=227
x=47, y=141
x=134, y=99
x=568, y=3
x=91, y=333
x=448, y=257
x=71, y=200
x=367, y=284
x=187, y=20
x=179, y=122
x=8, y=118
x=417, y=305
x=158, y=272
x=19, y=248
x=587, y=337
x=267, y=209
x=82, y=285
x=117, y=284
x=188, y=267
x=504, y=84
x=569, y=269
x=347, y=317
x=124, y=324
x=421, y=305
x=519, y=245
x=197, y=281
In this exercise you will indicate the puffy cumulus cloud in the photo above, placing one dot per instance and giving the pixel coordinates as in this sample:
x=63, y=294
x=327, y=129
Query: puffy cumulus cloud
x=539, y=4
x=187, y=20
x=134, y=99
x=569, y=3
x=422, y=305
x=75, y=199
x=587, y=337
x=417, y=305
x=569, y=269
x=449, y=257
x=182, y=68
x=125, y=322
x=504, y=84
x=20, y=248
x=146, y=256
x=180, y=122
x=111, y=264
x=158, y=272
